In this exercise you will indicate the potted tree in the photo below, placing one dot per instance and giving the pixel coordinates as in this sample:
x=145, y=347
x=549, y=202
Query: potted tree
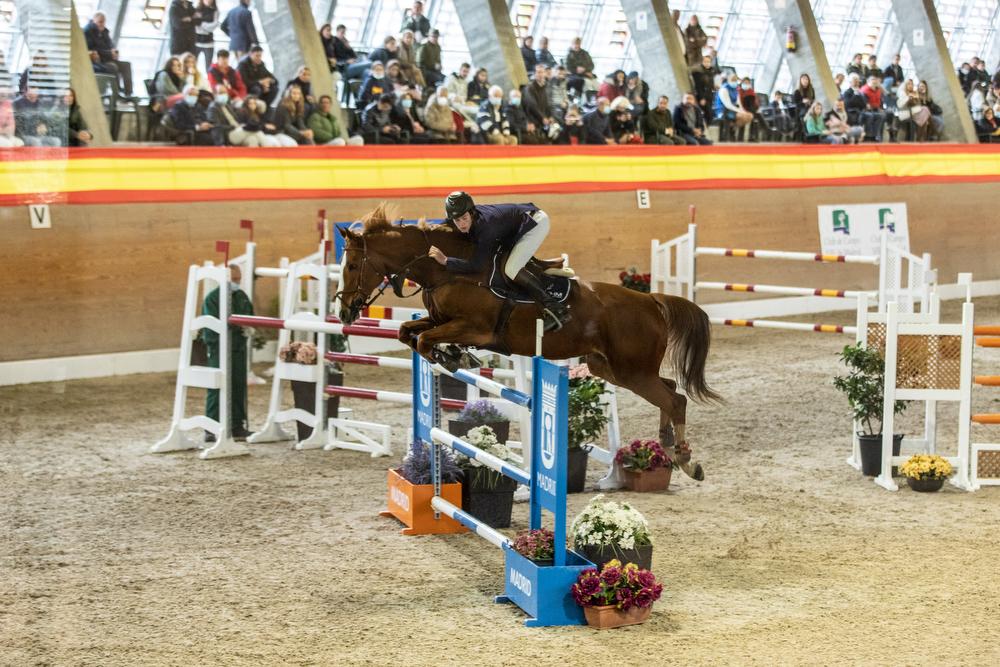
x=647, y=467
x=926, y=472
x=616, y=594
x=486, y=494
x=410, y=490
x=587, y=419
x=480, y=413
x=606, y=530
x=864, y=386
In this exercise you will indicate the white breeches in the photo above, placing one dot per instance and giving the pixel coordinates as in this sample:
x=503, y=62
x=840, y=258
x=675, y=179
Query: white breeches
x=527, y=245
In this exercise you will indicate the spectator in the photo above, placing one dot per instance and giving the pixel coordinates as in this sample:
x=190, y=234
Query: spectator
x=558, y=94
x=689, y=122
x=429, y=59
x=183, y=19
x=388, y=51
x=804, y=95
x=349, y=63
x=993, y=97
x=536, y=106
x=412, y=118
x=99, y=44
x=909, y=109
x=703, y=77
x=457, y=84
x=226, y=124
x=222, y=74
x=581, y=68
x=382, y=123
x=872, y=68
x=816, y=130
x=242, y=35
x=191, y=119
x=169, y=82
x=329, y=47
x=70, y=121
x=839, y=80
x=854, y=100
x=253, y=116
x=528, y=54
x=520, y=125
x=855, y=66
x=895, y=70
x=977, y=100
x=326, y=128
x=966, y=78
x=695, y=41
x=492, y=119
x=613, y=86
x=438, y=117
x=727, y=106
x=39, y=76
x=658, y=125
x=839, y=125
x=623, y=127
x=290, y=117
x=573, y=121
x=192, y=75
x=407, y=57
x=637, y=92
x=979, y=72
x=8, y=126
x=479, y=87
x=873, y=117
x=303, y=79
x=675, y=15
x=395, y=77
x=597, y=124
x=415, y=21
x=987, y=129
x=257, y=78
x=937, y=114
x=748, y=96
x=204, y=31
x=543, y=55
x=374, y=86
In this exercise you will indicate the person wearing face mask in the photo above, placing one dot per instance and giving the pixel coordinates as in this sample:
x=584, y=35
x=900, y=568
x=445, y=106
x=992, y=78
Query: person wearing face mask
x=689, y=122
x=239, y=304
x=191, y=120
x=439, y=117
x=520, y=125
x=227, y=125
x=374, y=85
x=558, y=92
x=411, y=119
x=727, y=108
x=492, y=119
x=597, y=124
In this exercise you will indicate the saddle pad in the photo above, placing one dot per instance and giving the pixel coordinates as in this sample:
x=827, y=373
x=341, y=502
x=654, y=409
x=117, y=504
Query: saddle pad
x=558, y=287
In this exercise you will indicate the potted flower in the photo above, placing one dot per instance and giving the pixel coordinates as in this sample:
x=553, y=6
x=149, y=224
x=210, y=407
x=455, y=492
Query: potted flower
x=606, y=530
x=926, y=472
x=864, y=387
x=587, y=419
x=486, y=494
x=410, y=490
x=304, y=391
x=634, y=280
x=616, y=595
x=647, y=467
x=480, y=413
x=537, y=546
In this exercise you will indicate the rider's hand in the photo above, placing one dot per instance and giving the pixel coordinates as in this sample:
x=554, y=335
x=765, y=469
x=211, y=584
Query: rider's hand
x=438, y=256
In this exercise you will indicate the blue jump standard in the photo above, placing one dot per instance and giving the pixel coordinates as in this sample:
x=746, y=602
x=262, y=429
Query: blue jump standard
x=543, y=592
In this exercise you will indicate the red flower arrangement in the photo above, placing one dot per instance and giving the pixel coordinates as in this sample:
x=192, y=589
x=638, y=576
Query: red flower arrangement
x=535, y=544
x=643, y=455
x=624, y=587
x=634, y=280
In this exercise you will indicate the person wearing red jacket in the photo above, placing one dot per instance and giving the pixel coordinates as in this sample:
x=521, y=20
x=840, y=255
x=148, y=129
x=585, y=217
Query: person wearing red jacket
x=873, y=117
x=221, y=74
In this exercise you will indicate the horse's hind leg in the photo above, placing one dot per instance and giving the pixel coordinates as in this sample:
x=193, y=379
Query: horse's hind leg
x=662, y=393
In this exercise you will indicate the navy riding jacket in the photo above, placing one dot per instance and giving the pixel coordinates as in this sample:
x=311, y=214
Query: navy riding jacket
x=494, y=226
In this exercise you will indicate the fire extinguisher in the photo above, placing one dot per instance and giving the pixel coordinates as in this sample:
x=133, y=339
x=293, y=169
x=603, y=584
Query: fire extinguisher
x=791, y=40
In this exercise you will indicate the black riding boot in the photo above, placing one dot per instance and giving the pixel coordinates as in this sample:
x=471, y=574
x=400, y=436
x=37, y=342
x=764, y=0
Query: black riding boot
x=556, y=313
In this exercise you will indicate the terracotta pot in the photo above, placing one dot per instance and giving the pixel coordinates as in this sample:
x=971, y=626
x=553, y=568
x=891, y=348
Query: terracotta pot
x=657, y=479
x=609, y=616
x=925, y=485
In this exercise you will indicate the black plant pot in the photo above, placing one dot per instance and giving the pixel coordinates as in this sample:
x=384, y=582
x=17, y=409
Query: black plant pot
x=305, y=399
x=576, y=471
x=452, y=388
x=460, y=428
x=871, y=453
x=488, y=496
x=599, y=555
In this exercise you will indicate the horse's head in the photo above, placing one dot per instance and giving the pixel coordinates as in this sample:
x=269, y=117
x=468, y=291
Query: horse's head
x=362, y=272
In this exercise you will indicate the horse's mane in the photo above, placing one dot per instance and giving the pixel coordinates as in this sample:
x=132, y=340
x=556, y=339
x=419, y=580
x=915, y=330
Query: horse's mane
x=380, y=221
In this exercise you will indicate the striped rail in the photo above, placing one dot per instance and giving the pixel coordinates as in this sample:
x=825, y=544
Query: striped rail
x=791, y=326
x=785, y=254
x=990, y=338
x=405, y=364
x=374, y=322
x=781, y=289
x=491, y=535
x=311, y=326
x=386, y=396
x=988, y=341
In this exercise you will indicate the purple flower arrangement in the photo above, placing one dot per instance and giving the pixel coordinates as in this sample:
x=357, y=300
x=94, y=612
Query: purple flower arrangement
x=535, y=544
x=480, y=412
x=624, y=587
x=416, y=468
x=643, y=455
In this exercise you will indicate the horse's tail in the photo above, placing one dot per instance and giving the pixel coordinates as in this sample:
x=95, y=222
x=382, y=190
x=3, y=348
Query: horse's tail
x=689, y=336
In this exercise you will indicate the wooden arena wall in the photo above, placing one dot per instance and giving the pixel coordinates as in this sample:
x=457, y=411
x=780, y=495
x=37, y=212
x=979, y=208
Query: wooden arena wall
x=109, y=275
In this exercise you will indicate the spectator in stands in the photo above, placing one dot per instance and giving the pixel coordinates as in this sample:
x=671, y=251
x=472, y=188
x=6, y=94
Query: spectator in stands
x=520, y=125
x=987, y=129
x=573, y=122
x=966, y=78
x=873, y=117
x=192, y=75
x=438, y=117
x=895, y=70
x=222, y=74
x=257, y=78
x=536, y=106
x=382, y=123
x=39, y=76
x=558, y=93
x=613, y=86
x=528, y=54
x=429, y=59
x=872, y=68
x=349, y=63
x=703, y=76
x=622, y=124
x=840, y=81
x=326, y=128
x=226, y=123
x=979, y=72
x=67, y=121
x=242, y=34
x=543, y=55
x=479, y=87
x=910, y=110
x=804, y=95
x=330, y=48
x=191, y=119
x=374, y=86
x=183, y=19
x=204, y=31
x=816, y=131
x=414, y=20
x=977, y=100
x=388, y=51
x=727, y=106
x=395, y=77
x=412, y=118
x=748, y=96
x=856, y=66
x=581, y=68
x=854, y=100
x=993, y=97
x=675, y=15
x=937, y=113
x=689, y=122
x=169, y=82
x=99, y=42
x=8, y=126
x=303, y=79
x=290, y=117
x=839, y=125
x=658, y=125
x=637, y=92
x=406, y=55
x=492, y=119
x=597, y=124
x=254, y=118
x=457, y=84
x=695, y=40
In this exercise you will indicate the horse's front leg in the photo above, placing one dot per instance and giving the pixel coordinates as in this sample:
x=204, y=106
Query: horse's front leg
x=408, y=331
x=457, y=332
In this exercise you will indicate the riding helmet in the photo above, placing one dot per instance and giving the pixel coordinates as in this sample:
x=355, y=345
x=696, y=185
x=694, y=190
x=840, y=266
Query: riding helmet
x=457, y=204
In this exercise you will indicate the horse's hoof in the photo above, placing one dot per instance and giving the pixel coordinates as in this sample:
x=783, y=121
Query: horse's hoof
x=470, y=361
x=694, y=471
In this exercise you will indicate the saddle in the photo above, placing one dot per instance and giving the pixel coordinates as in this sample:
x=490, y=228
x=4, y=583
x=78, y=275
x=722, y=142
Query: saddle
x=554, y=275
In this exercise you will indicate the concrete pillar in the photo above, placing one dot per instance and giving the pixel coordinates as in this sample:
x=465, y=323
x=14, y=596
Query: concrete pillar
x=490, y=35
x=293, y=35
x=809, y=56
x=918, y=21
x=85, y=86
x=659, y=47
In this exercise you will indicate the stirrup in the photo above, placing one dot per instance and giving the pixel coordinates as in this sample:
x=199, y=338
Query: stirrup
x=554, y=322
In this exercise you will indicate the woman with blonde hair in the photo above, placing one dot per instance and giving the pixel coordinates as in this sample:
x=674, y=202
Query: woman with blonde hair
x=192, y=75
x=290, y=119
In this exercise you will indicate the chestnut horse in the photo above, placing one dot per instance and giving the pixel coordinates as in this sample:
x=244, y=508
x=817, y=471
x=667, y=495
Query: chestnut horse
x=623, y=335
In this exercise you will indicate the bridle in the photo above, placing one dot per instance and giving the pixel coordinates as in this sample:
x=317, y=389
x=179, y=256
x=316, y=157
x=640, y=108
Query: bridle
x=395, y=280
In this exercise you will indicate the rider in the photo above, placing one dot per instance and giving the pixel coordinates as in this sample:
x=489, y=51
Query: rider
x=519, y=227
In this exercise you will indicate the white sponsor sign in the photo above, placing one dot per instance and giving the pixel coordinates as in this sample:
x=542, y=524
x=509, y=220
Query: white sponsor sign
x=856, y=229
